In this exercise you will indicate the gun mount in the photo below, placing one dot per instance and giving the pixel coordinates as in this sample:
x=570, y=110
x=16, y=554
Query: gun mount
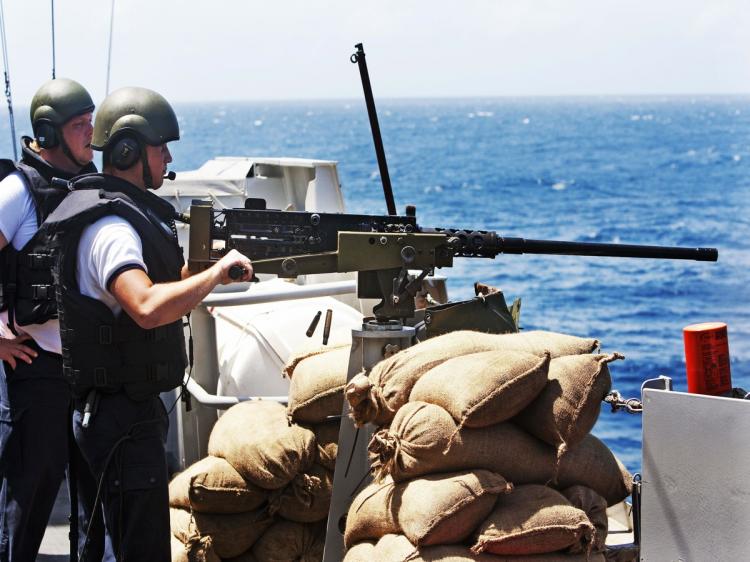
x=382, y=249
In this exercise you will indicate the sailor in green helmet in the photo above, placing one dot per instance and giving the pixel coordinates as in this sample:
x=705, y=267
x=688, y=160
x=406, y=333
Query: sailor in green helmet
x=122, y=293
x=34, y=398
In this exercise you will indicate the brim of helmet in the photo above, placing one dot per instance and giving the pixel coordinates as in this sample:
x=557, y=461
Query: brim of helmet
x=113, y=139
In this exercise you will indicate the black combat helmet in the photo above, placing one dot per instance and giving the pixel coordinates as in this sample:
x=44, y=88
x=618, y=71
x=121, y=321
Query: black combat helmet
x=53, y=105
x=136, y=112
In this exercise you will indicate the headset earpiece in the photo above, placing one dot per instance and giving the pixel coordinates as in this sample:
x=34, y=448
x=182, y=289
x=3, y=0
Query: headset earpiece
x=125, y=153
x=46, y=135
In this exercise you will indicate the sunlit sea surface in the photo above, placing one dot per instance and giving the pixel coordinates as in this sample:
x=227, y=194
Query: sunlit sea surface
x=656, y=170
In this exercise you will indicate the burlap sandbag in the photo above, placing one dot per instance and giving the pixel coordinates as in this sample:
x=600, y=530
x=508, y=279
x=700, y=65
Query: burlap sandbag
x=424, y=439
x=317, y=385
x=286, y=541
x=435, y=509
x=592, y=464
x=229, y=534
x=361, y=552
x=327, y=439
x=595, y=508
x=260, y=443
x=212, y=485
x=397, y=548
x=244, y=557
x=376, y=397
x=534, y=519
x=484, y=388
x=305, y=499
x=568, y=407
x=199, y=551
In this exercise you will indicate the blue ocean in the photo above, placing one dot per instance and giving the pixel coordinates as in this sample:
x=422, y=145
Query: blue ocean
x=637, y=170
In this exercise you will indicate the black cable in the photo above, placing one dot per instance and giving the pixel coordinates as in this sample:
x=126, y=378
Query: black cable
x=97, y=500
x=128, y=435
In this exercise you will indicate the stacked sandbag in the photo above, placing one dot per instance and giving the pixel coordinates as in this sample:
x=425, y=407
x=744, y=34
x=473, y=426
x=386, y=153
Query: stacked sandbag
x=517, y=405
x=316, y=400
x=437, y=509
x=258, y=440
x=286, y=541
x=398, y=547
x=261, y=480
x=316, y=396
x=568, y=407
x=377, y=396
x=317, y=381
x=425, y=439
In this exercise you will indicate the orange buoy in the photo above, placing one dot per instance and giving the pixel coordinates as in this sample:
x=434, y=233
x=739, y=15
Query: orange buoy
x=707, y=358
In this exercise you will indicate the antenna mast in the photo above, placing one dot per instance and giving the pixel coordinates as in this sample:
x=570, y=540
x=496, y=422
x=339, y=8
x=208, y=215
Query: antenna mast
x=109, y=52
x=7, y=82
x=52, y=7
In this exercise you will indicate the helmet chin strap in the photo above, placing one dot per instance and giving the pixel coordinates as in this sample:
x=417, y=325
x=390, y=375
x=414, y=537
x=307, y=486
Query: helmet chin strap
x=68, y=152
x=148, y=181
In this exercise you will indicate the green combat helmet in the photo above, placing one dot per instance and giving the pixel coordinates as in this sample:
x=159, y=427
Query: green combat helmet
x=130, y=118
x=53, y=105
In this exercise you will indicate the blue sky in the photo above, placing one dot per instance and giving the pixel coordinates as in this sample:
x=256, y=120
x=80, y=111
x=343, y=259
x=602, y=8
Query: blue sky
x=192, y=50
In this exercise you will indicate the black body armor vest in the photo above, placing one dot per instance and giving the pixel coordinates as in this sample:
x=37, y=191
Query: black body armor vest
x=27, y=288
x=100, y=350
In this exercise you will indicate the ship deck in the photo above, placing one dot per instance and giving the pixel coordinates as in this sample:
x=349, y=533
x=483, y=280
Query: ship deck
x=55, y=546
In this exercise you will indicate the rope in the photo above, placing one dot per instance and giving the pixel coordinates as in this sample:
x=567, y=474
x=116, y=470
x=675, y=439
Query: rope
x=52, y=7
x=7, y=83
x=109, y=52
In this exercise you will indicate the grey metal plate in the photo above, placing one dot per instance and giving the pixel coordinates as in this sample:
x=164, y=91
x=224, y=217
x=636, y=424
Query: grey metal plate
x=696, y=463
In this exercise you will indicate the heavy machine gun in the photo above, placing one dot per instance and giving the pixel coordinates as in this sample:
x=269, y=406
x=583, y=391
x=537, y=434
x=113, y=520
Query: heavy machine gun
x=392, y=254
x=384, y=250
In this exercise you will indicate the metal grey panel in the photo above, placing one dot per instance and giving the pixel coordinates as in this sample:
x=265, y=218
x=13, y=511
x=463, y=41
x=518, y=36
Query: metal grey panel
x=696, y=465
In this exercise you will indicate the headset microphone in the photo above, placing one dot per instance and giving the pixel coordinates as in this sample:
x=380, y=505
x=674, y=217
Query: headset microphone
x=170, y=176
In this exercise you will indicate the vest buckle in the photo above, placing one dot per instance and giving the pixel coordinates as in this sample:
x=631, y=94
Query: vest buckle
x=41, y=292
x=39, y=261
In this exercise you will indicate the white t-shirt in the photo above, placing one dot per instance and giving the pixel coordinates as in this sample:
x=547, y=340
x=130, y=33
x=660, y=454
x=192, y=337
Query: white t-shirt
x=18, y=225
x=107, y=246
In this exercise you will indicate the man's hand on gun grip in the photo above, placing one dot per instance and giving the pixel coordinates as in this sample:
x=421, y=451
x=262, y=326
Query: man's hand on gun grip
x=235, y=267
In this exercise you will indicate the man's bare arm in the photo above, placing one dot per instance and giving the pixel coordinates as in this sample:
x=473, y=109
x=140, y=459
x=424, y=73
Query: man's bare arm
x=3, y=241
x=152, y=305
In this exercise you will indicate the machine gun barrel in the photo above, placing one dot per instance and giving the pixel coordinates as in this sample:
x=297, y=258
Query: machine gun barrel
x=523, y=246
x=488, y=244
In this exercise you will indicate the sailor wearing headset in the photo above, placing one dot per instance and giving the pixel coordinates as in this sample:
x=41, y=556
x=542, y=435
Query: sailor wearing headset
x=123, y=290
x=34, y=398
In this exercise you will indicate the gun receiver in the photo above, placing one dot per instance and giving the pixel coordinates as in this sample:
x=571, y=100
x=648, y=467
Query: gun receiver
x=382, y=249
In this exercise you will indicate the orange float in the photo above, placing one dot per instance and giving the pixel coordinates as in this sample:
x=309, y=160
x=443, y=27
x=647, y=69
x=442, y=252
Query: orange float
x=707, y=358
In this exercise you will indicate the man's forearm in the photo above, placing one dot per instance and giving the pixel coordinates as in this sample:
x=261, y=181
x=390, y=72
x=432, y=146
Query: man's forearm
x=152, y=305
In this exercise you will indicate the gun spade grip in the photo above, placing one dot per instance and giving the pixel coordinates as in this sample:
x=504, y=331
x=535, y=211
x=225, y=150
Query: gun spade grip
x=236, y=272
